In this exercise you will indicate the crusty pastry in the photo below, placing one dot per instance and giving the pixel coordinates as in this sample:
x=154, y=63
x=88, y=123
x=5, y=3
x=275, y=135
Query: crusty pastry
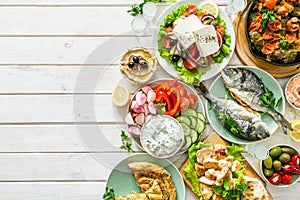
x=133, y=196
x=148, y=174
x=255, y=190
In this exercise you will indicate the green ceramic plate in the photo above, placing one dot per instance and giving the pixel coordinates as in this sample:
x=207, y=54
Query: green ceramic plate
x=218, y=89
x=123, y=182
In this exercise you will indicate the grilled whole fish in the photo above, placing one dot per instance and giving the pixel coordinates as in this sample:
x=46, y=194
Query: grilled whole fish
x=248, y=87
x=252, y=126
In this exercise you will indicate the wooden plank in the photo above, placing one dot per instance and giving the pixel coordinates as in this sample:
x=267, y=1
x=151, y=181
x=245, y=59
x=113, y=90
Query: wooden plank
x=63, y=138
x=51, y=191
x=67, y=50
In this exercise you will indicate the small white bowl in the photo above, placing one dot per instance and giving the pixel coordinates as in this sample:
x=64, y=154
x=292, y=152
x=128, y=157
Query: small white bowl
x=295, y=176
x=162, y=136
x=286, y=91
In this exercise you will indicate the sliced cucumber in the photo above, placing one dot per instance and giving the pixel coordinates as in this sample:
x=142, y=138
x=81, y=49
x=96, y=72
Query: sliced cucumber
x=200, y=116
x=186, y=129
x=184, y=119
x=189, y=112
x=194, y=135
x=193, y=122
x=200, y=126
x=187, y=144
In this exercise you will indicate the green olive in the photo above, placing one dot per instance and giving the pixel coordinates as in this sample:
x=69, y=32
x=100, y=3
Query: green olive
x=275, y=152
x=277, y=165
x=284, y=157
x=268, y=162
x=288, y=150
x=268, y=172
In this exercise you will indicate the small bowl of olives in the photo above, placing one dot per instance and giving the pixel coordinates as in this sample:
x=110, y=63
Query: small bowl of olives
x=282, y=167
x=138, y=65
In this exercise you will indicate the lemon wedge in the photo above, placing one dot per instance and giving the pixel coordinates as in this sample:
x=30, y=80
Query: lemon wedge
x=295, y=134
x=120, y=96
x=210, y=8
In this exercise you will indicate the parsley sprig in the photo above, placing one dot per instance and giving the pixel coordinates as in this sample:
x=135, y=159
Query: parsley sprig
x=137, y=9
x=269, y=100
x=126, y=142
x=268, y=15
x=230, y=193
x=284, y=44
x=109, y=194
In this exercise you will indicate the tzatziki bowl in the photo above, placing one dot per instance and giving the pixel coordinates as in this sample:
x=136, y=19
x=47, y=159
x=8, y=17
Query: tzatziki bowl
x=162, y=136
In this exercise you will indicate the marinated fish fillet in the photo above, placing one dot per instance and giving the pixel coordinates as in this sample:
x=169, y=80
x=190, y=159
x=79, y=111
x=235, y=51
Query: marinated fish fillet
x=251, y=126
x=248, y=87
x=148, y=174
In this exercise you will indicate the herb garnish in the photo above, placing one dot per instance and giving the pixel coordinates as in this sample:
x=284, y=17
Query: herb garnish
x=269, y=100
x=109, y=194
x=161, y=107
x=126, y=142
x=230, y=193
x=137, y=9
x=230, y=124
x=268, y=15
x=284, y=44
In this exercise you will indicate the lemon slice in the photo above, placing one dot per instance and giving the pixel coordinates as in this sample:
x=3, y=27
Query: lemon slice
x=120, y=96
x=210, y=8
x=295, y=134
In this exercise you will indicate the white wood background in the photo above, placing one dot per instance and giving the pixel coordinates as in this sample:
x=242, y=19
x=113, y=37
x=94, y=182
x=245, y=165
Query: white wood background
x=45, y=45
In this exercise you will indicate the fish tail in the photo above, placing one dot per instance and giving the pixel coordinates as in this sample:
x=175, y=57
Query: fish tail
x=202, y=90
x=285, y=125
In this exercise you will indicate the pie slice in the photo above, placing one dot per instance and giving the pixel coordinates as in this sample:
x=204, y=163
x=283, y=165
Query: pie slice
x=153, y=180
x=133, y=196
x=255, y=190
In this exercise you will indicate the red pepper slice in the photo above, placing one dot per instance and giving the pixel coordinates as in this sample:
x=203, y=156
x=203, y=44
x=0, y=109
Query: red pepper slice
x=296, y=160
x=163, y=97
x=177, y=104
x=275, y=179
x=287, y=179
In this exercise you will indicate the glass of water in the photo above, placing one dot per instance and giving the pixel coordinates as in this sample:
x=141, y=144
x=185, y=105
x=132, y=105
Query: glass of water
x=138, y=25
x=149, y=11
x=259, y=151
x=235, y=6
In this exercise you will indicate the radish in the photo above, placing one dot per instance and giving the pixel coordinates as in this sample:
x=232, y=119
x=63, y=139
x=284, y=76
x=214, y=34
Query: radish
x=134, y=130
x=151, y=95
x=140, y=119
x=140, y=98
x=129, y=119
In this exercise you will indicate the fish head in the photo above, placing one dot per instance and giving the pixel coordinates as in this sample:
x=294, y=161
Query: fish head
x=232, y=77
x=261, y=130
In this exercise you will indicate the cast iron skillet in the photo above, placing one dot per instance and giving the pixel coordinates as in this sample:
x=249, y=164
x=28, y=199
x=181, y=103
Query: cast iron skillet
x=257, y=53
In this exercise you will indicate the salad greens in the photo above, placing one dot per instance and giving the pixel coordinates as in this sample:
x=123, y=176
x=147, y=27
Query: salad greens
x=109, y=194
x=183, y=73
x=230, y=193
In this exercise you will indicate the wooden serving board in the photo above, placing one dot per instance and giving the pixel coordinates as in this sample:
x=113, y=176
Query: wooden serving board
x=243, y=52
x=214, y=138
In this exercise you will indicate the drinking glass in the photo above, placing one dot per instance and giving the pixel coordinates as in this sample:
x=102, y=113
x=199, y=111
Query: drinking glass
x=259, y=151
x=149, y=11
x=138, y=25
x=235, y=6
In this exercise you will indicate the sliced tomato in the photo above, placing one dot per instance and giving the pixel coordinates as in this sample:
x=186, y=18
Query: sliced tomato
x=167, y=43
x=255, y=25
x=220, y=29
x=191, y=10
x=269, y=4
x=292, y=24
x=190, y=65
x=291, y=38
x=201, y=15
x=193, y=50
x=181, y=90
x=175, y=82
x=169, y=29
x=193, y=100
x=282, y=10
x=267, y=36
x=184, y=103
x=219, y=36
x=274, y=26
x=268, y=48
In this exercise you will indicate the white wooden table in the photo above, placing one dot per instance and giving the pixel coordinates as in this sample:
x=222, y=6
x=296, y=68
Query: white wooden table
x=58, y=66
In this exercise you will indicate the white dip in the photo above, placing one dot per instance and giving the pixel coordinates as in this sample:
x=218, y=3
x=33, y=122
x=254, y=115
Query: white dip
x=162, y=136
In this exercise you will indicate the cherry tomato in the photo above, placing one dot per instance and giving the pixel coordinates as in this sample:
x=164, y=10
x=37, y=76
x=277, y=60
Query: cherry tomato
x=296, y=160
x=268, y=48
x=181, y=90
x=193, y=100
x=275, y=179
x=190, y=65
x=269, y=4
x=220, y=29
x=290, y=38
x=167, y=44
x=292, y=24
x=283, y=10
x=255, y=25
x=286, y=179
x=267, y=36
x=287, y=168
x=184, y=103
x=191, y=10
x=274, y=26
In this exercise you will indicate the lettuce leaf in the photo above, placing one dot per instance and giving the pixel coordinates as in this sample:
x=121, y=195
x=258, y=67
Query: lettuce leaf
x=235, y=150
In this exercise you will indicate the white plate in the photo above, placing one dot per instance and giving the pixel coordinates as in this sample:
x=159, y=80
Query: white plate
x=215, y=68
